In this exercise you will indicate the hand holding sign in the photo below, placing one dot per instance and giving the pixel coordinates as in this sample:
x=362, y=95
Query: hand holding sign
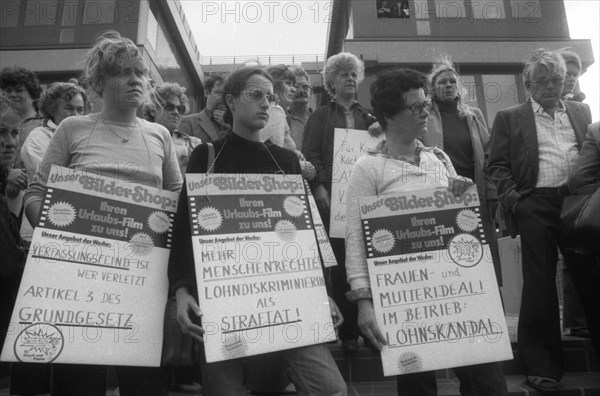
x=186, y=307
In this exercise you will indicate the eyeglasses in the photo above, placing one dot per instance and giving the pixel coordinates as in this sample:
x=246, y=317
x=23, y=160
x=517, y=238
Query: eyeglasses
x=304, y=87
x=418, y=107
x=256, y=95
x=547, y=81
x=170, y=107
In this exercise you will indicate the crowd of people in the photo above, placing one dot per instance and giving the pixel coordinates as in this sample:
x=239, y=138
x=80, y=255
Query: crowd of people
x=259, y=120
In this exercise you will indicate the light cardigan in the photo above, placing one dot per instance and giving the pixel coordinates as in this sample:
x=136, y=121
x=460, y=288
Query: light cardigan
x=90, y=143
x=35, y=147
x=277, y=129
x=377, y=174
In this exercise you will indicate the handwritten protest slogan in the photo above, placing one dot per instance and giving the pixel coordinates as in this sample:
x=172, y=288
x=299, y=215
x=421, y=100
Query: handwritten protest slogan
x=259, y=275
x=348, y=146
x=434, y=288
x=95, y=282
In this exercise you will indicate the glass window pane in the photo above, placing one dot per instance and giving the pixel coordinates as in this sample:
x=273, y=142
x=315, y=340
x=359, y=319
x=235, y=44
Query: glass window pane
x=500, y=92
x=450, y=9
x=421, y=9
x=423, y=28
x=152, y=30
x=41, y=12
x=69, y=16
x=9, y=14
x=488, y=9
x=525, y=9
x=99, y=11
x=468, y=91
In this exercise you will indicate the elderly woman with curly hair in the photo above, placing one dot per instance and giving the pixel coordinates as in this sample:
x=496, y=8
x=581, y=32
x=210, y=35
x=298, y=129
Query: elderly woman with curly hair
x=341, y=75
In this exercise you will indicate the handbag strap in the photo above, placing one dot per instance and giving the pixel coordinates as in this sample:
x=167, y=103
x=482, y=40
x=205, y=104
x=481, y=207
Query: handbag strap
x=211, y=157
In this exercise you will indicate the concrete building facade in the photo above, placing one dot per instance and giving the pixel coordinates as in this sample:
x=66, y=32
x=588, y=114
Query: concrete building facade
x=488, y=39
x=51, y=37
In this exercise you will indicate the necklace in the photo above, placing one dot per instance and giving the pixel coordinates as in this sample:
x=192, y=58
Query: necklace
x=125, y=139
x=280, y=171
x=413, y=161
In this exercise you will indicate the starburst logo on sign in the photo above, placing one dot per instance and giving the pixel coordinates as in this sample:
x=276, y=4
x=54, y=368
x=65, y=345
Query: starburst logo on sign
x=159, y=222
x=285, y=230
x=209, y=219
x=142, y=243
x=61, y=214
x=383, y=241
x=293, y=206
x=467, y=220
x=40, y=343
x=465, y=250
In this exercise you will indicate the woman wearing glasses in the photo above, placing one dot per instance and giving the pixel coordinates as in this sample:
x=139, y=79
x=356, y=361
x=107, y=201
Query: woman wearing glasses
x=166, y=108
x=247, y=94
x=401, y=163
x=341, y=75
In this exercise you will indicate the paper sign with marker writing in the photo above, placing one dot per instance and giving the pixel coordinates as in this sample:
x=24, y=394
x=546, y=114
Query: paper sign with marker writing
x=348, y=146
x=434, y=288
x=95, y=282
x=260, y=281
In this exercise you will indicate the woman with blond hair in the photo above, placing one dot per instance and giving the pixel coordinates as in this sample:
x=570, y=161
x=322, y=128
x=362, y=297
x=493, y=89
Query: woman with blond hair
x=112, y=143
x=461, y=131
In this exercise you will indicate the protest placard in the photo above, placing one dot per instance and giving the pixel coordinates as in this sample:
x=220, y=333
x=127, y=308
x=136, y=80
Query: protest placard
x=325, y=248
x=260, y=281
x=348, y=146
x=434, y=288
x=95, y=283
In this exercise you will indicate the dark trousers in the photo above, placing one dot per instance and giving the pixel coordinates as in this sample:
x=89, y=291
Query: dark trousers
x=339, y=286
x=585, y=275
x=478, y=380
x=539, y=333
x=90, y=380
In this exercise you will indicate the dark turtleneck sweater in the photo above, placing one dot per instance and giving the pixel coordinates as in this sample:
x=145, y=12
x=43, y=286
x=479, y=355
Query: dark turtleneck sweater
x=233, y=154
x=457, y=139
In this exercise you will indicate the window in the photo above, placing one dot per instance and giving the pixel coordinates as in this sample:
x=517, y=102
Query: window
x=9, y=13
x=41, y=12
x=69, y=16
x=99, y=11
x=152, y=29
x=525, y=9
x=488, y=9
x=500, y=92
x=450, y=9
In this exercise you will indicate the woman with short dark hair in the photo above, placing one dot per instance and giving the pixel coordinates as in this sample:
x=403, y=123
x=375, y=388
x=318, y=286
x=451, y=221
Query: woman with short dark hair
x=401, y=163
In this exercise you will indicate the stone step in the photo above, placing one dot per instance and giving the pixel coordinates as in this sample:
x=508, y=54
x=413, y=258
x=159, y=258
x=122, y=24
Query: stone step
x=365, y=364
x=573, y=384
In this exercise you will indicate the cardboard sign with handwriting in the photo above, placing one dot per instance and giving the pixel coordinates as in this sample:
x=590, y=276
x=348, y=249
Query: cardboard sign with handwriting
x=95, y=282
x=260, y=281
x=434, y=288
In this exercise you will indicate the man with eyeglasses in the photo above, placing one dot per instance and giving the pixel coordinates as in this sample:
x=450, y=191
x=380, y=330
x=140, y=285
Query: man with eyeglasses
x=533, y=150
x=208, y=125
x=299, y=110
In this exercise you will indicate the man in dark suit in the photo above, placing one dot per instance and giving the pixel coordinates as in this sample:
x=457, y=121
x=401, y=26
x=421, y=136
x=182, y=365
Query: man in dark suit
x=208, y=125
x=533, y=150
